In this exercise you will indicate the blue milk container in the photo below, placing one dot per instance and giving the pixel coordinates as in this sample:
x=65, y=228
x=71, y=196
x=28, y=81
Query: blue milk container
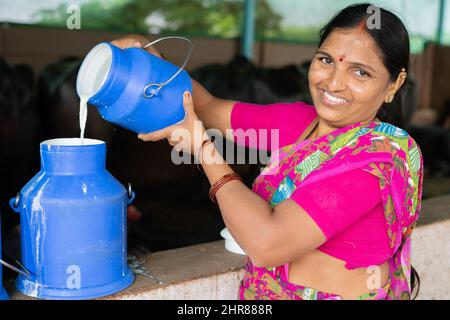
x=73, y=224
x=133, y=88
x=3, y=294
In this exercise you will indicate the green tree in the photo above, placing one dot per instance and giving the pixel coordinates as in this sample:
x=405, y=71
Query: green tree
x=203, y=17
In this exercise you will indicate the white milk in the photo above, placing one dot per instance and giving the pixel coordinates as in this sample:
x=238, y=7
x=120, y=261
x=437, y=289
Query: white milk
x=83, y=116
x=91, y=77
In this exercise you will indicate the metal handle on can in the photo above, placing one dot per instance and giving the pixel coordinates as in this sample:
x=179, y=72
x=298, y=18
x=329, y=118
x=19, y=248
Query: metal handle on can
x=159, y=86
x=14, y=203
x=131, y=194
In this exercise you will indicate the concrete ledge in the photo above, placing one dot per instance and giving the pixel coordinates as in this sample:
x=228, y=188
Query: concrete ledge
x=208, y=271
x=430, y=257
x=219, y=287
x=205, y=271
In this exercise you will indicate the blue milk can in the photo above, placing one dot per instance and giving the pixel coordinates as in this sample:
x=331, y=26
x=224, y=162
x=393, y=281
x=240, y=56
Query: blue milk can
x=133, y=88
x=73, y=224
x=3, y=294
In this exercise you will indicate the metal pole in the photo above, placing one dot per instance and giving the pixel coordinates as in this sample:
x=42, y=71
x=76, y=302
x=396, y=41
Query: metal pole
x=248, y=37
x=440, y=30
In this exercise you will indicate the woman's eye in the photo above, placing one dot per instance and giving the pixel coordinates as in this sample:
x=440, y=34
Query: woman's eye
x=361, y=73
x=325, y=60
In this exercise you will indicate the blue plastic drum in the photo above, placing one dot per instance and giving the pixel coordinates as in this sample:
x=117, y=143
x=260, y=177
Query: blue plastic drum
x=73, y=224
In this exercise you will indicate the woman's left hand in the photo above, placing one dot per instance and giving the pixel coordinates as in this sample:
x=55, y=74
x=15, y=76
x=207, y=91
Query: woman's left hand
x=187, y=135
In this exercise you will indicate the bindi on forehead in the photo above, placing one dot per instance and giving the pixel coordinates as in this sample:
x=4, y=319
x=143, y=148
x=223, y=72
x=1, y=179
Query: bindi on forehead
x=341, y=58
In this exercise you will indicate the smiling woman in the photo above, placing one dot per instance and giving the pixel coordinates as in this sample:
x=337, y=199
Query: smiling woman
x=331, y=216
x=338, y=178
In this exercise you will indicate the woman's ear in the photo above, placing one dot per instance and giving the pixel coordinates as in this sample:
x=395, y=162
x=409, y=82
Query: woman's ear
x=400, y=79
x=395, y=86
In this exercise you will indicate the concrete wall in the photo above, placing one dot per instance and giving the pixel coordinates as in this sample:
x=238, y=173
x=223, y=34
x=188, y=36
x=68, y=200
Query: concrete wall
x=431, y=257
x=39, y=47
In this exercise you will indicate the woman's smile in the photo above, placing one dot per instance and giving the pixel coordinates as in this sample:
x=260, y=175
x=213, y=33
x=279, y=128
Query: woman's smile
x=332, y=100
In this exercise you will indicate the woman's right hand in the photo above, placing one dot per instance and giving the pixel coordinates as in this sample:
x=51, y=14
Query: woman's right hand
x=135, y=41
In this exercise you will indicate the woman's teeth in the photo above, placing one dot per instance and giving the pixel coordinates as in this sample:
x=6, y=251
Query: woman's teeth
x=330, y=99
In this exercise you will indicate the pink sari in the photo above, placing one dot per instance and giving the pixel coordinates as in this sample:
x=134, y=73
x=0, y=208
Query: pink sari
x=381, y=149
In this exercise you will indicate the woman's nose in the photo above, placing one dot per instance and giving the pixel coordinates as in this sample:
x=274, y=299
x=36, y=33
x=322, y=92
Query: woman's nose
x=336, y=81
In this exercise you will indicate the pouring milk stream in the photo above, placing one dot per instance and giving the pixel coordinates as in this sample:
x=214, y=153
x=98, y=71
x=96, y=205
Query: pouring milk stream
x=83, y=116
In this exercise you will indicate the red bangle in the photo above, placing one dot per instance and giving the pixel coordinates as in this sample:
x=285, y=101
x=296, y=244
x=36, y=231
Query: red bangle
x=220, y=183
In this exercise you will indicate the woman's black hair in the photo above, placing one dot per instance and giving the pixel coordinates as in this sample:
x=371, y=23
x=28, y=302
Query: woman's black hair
x=392, y=38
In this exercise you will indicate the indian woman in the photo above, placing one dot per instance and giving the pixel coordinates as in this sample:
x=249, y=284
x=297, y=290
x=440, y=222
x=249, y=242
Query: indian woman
x=331, y=215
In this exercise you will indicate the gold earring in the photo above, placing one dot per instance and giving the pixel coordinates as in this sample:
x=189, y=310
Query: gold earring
x=403, y=73
x=389, y=99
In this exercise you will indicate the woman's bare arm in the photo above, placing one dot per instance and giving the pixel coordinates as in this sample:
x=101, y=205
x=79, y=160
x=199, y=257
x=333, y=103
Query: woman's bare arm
x=270, y=237
x=215, y=113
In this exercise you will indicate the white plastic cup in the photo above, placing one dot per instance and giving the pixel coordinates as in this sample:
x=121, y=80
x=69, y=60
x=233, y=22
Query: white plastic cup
x=230, y=243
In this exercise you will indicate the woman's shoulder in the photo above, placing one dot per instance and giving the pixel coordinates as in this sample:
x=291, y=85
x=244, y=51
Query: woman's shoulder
x=379, y=140
x=301, y=104
x=403, y=149
x=291, y=111
x=398, y=137
x=295, y=104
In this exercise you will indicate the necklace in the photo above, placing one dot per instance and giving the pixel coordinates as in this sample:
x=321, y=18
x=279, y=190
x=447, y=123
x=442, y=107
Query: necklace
x=313, y=133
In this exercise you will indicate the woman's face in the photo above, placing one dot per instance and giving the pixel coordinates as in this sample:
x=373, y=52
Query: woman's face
x=347, y=78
